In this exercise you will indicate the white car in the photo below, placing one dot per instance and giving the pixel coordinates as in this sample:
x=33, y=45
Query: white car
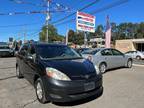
x=135, y=54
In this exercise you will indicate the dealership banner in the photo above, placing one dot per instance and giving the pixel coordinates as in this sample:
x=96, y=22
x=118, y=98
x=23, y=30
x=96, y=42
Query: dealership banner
x=85, y=22
x=108, y=33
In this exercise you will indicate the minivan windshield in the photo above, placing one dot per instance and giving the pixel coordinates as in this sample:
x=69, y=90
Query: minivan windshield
x=51, y=52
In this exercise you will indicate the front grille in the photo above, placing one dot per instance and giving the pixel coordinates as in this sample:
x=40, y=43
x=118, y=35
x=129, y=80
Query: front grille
x=84, y=77
x=85, y=92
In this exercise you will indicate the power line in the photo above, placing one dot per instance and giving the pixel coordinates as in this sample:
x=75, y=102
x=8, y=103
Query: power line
x=75, y=4
x=48, y=3
x=92, y=3
x=31, y=34
x=32, y=12
x=25, y=2
x=16, y=31
x=35, y=32
x=58, y=8
x=117, y=3
x=18, y=25
x=98, y=10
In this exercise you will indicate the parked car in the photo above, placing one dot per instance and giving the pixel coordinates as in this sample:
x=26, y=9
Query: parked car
x=107, y=58
x=58, y=73
x=135, y=54
x=5, y=50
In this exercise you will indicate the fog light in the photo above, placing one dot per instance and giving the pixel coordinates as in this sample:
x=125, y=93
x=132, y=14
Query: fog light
x=55, y=96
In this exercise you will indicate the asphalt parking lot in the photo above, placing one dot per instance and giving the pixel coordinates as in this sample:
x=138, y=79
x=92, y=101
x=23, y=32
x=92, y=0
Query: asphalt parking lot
x=123, y=88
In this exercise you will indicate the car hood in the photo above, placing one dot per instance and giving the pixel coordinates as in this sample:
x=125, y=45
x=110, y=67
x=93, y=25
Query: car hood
x=75, y=69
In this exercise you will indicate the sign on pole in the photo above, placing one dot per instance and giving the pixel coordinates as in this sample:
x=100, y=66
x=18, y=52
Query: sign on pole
x=85, y=22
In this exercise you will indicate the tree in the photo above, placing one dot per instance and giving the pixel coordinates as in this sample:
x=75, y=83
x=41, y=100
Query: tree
x=76, y=38
x=52, y=33
x=71, y=36
x=80, y=38
x=99, y=31
x=127, y=31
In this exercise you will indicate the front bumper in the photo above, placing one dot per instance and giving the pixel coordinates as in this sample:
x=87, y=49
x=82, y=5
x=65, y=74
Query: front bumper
x=62, y=91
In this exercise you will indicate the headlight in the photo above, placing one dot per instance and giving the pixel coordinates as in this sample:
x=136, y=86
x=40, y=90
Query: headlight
x=56, y=74
x=97, y=69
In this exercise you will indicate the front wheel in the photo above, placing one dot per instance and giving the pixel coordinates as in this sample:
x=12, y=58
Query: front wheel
x=40, y=92
x=129, y=63
x=138, y=58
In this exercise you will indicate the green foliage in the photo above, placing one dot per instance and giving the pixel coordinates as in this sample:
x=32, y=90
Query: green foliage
x=127, y=31
x=121, y=31
x=76, y=38
x=52, y=33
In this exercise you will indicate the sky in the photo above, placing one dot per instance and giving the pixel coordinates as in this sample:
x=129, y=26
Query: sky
x=30, y=24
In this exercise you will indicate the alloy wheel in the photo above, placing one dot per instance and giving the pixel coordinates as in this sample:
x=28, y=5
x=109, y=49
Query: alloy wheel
x=39, y=91
x=138, y=57
x=129, y=64
x=102, y=68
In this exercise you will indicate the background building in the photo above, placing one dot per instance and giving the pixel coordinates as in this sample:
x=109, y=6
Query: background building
x=130, y=45
x=98, y=42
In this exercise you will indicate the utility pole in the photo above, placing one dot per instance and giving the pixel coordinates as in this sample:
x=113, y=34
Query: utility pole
x=47, y=20
x=85, y=39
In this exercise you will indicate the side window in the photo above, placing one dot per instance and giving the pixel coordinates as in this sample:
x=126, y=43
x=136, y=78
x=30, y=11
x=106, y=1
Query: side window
x=106, y=52
x=116, y=52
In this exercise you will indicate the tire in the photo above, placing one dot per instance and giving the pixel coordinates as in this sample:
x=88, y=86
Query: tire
x=102, y=67
x=40, y=91
x=18, y=73
x=138, y=57
x=129, y=63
